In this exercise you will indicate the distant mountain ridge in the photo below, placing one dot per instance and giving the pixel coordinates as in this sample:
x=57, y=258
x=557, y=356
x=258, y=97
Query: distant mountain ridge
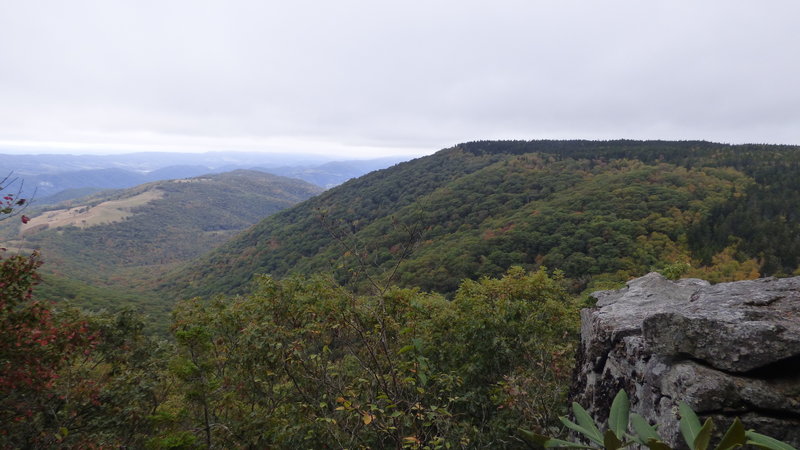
x=49, y=175
x=25, y=164
x=595, y=209
x=116, y=238
x=200, y=210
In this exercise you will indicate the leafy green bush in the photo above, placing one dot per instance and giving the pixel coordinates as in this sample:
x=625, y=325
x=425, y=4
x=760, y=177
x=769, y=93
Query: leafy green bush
x=303, y=362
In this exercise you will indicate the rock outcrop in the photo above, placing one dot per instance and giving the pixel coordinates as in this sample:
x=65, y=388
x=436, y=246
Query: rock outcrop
x=727, y=350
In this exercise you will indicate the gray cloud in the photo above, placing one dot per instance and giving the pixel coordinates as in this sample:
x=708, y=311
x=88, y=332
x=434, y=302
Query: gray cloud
x=386, y=77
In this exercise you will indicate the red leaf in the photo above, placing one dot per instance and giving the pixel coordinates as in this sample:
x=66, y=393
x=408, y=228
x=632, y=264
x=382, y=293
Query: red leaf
x=25, y=219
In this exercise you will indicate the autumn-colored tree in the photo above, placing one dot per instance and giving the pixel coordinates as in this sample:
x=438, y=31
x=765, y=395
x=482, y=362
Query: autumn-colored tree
x=11, y=203
x=33, y=346
x=69, y=379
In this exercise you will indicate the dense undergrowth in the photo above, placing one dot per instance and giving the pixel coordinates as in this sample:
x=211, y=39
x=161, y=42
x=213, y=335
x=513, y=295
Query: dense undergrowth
x=300, y=362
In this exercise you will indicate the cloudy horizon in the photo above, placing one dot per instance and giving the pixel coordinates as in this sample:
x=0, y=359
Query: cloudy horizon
x=370, y=79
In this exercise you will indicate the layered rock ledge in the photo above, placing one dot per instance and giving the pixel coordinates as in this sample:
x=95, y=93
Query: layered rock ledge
x=727, y=350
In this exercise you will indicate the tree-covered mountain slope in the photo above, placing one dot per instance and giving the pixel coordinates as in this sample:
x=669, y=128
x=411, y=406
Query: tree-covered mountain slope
x=596, y=210
x=118, y=238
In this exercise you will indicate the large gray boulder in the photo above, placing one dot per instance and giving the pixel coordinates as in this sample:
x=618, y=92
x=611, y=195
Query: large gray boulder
x=727, y=350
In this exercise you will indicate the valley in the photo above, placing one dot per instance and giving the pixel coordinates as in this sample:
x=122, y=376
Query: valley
x=366, y=225
x=435, y=301
x=103, y=251
x=600, y=211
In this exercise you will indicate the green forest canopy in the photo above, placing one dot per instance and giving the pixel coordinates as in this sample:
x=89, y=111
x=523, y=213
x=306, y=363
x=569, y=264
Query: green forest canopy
x=332, y=353
x=598, y=210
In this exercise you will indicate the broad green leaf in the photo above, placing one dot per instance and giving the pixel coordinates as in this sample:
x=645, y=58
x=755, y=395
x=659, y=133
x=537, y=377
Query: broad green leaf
x=655, y=444
x=534, y=439
x=689, y=424
x=540, y=441
x=588, y=433
x=611, y=441
x=558, y=443
x=734, y=437
x=618, y=417
x=644, y=431
x=586, y=421
x=704, y=435
x=766, y=442
x=573, y=426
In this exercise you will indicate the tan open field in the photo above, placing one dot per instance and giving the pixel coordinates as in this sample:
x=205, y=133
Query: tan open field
x=87, y=216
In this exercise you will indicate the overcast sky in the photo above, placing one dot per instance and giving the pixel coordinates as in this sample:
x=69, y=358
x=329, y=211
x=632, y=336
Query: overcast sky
x=375, y=78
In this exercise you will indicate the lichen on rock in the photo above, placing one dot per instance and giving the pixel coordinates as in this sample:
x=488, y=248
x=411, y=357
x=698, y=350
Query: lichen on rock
x=727, y=350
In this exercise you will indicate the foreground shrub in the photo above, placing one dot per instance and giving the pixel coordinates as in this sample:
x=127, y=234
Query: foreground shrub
x=304, y=362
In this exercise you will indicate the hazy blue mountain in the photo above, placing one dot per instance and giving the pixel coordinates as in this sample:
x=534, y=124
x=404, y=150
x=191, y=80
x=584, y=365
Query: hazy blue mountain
x=67, y=194
x=333, y=173
x=25, y=165
x=43, y=176
x=50, y=184
x=182, y=171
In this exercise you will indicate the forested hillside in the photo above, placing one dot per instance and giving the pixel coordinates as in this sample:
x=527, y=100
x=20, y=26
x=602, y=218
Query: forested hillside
x=598, y=210
x=99, y=250
x=327, y=351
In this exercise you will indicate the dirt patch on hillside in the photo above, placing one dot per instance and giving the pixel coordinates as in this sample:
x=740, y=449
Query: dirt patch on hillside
x=87, y=216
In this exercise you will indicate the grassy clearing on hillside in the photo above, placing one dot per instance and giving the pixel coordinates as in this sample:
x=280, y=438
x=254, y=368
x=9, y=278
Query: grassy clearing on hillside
x=87, y=216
